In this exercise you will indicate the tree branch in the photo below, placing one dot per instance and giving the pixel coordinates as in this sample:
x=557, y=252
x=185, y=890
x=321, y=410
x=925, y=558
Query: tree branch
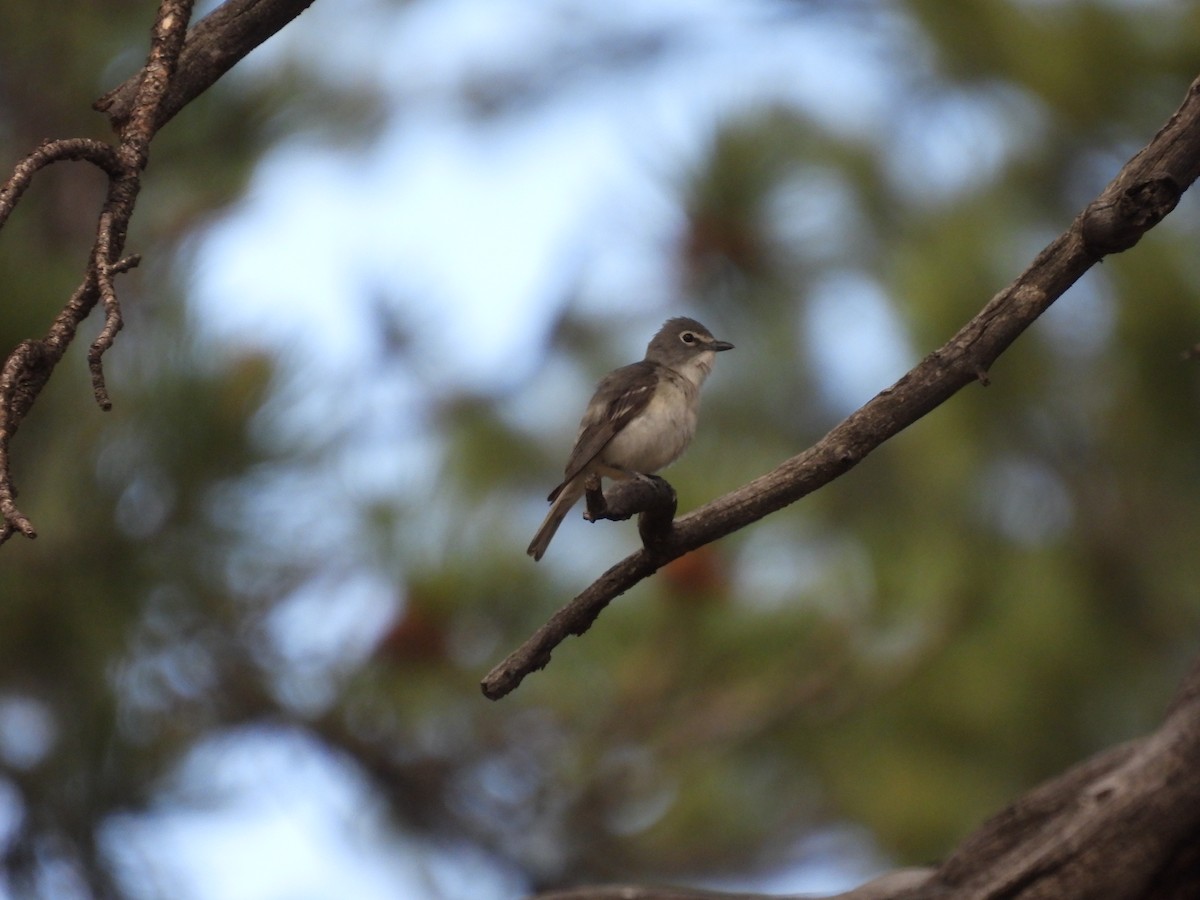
x=213, y=47
x=180, y=66
x=1143, y=192
x=1121, y=824
x=29, y=366
x=99, y=154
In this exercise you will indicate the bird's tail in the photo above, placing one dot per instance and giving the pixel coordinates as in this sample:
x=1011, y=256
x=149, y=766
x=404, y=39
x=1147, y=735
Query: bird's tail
x=567, y=496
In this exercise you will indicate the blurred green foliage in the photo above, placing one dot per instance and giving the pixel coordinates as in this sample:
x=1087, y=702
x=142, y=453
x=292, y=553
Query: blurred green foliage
x=1005, y=588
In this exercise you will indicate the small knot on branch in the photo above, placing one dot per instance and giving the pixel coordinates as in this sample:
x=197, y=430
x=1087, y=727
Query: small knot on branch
x=1112, y=224
x=24, y=375
x=132, y=261
x=649, y=497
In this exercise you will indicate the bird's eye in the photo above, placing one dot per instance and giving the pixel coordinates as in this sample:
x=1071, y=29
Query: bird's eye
x=688, y=337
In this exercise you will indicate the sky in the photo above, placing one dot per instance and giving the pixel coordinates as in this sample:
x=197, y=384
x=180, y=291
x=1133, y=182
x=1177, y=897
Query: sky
x=589, y=166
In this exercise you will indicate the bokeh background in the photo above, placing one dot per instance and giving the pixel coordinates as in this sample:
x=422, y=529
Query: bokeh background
x=385, y=260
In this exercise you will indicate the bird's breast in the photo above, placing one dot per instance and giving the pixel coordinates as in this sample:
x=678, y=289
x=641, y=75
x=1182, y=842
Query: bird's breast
x=660, y=433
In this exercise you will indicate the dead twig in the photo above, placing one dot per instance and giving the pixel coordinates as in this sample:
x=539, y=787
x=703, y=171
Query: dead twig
x=181, y=64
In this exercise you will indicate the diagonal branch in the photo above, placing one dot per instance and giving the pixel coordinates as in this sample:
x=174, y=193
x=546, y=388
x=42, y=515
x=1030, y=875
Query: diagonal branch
x=213, y=47
x=1143, y=192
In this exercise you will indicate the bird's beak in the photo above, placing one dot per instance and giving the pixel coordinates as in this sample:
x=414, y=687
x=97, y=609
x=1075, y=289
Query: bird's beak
x=720, y=345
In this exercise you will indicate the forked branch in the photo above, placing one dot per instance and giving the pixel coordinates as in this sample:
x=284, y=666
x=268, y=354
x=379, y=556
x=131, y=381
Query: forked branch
x=181, y=65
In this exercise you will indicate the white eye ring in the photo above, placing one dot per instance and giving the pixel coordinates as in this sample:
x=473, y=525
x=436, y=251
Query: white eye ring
x=688, y=337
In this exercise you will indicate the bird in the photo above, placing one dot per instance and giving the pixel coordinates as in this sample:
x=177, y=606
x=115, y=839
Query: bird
x=640, y=419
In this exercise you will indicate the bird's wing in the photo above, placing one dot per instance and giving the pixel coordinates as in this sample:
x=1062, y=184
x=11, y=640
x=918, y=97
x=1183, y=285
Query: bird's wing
x=620, y=396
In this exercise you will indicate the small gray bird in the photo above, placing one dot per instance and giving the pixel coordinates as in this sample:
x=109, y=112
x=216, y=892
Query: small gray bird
x=641, y=418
